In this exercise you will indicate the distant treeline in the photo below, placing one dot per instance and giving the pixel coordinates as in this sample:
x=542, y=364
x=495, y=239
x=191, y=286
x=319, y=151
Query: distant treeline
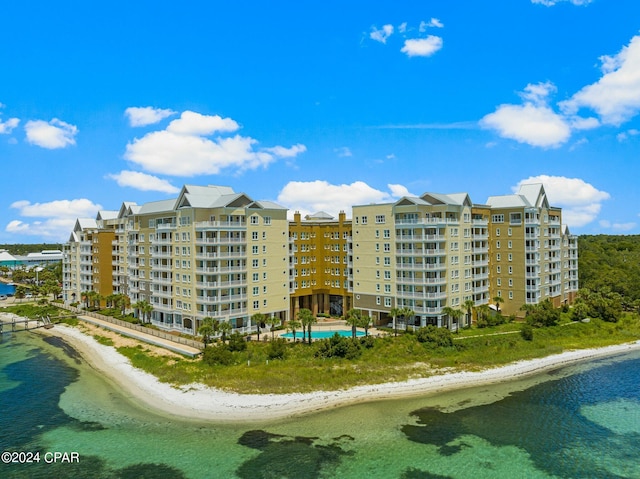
x=24, y=249
x=607, y=261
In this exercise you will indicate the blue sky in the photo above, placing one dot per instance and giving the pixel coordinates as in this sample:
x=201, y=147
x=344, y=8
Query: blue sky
x=318, y=105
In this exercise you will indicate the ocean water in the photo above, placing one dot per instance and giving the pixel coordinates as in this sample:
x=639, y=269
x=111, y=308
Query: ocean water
x=7, y=289
x=581, y=421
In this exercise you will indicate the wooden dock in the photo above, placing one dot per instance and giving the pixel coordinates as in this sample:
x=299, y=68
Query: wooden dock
x=11, y=323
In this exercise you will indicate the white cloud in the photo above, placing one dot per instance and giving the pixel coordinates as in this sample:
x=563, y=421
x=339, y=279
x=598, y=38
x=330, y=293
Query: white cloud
x=343, y=152
x=282, y=152
x=624, y=136
x=7, y=126
x=313, y=196
x=433, y=23
x=402, y=27
x=422, y=47
x=551, y=3
x=581, y=202
x=142, y=182
x=617, y=226
x=192, y=123
x=616, y=96
x=52, y=135
x=142, y=116
x=182, y=149
x=398, y=191
x=530, y=124
x=56, y=218
x=382, y=34
x=58, y=208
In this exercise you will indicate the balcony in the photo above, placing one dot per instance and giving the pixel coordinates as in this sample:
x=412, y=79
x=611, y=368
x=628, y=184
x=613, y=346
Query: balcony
x=205, y=225
x=220, y=241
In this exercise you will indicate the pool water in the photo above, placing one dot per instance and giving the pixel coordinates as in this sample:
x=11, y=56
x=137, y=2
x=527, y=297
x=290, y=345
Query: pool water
x=323, y=334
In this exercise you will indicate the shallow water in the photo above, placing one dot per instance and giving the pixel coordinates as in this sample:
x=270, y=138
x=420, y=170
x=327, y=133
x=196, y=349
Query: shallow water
x=580, y=421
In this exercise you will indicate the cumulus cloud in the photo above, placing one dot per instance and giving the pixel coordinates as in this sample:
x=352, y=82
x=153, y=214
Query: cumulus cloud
x=551, y=3
x=580, y=201
x=143, y=182
x=533, y=122
x=55, y=218
x=148, y=115
x=624, y=136
x=422, y=47
x=7, y=127
x=313, y=196
x=433, y=23
x=183, y=149
x=52, y=135
x=616, y=96
x=381, y=35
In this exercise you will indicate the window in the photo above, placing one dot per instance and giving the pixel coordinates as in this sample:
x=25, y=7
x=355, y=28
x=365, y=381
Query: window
x=498, y=269
x=387, y=302
x=267, y=220
x=386, y=233
x=254, y=263
x=510, y=282
x=380, y=219
x=256, y=304
x=499, y=282
x=498, y=244
x=510, y=294
x=510, y=257
x=515, y=218
x=364, y=220
x=497, y=218
x=256, y=291
x=377, y=246
x=378, y=300
x=378, y=287
x=497, y=256
x=510, y=244
x=509, y=231
x=387, y=275
x=387, y=247
x=254, y=220
x=255, y=277
x=377, y=233
x=377, y=259
x=510, y=269
x=387, y=261
x=387, y=289
x=254, y=235
x=254, y=249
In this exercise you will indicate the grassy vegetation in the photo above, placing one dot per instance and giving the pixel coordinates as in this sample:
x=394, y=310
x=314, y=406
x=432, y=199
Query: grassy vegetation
x=389, y=359
x=103, y=340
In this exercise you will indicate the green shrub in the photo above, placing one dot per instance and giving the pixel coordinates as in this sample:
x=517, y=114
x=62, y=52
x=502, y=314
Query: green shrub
x=217, y=355
x=527, y=332
x=277, y=349
x=434, y=336
x=237, y=342
x=368, y=342
x=339, y=347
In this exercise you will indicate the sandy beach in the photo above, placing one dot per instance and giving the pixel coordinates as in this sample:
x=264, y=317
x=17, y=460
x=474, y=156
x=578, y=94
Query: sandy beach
x=197, y=401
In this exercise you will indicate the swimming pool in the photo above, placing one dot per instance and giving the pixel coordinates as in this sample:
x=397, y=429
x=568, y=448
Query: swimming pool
x=323, y=334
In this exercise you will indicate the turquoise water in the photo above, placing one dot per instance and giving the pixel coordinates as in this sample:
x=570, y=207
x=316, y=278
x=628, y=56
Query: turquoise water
x=324, y=334
x=581, y=421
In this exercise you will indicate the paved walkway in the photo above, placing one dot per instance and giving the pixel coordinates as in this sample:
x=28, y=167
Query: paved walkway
x=146, y=338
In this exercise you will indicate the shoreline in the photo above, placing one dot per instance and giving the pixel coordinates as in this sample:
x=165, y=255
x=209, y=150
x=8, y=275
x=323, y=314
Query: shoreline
x=204, y=403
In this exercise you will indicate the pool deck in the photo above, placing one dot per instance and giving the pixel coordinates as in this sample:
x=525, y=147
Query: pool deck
x=321, y=325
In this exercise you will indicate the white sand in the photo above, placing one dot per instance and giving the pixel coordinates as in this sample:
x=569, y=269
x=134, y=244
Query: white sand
x=197, y=401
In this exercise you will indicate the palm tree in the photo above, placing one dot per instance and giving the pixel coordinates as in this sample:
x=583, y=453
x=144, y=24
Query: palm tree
x=294, y=325
x=353, y=319
x=224, y=327
x=394, y=313
x=456, y=315
x=306, y=318
x=207, y=329
x=124, y=302
x=469, y=304
x=483, y=312
x=20, y=292
x=448, y=311
x=528, y=309
x=498, y=300
x=258, y=318
x=407, y=313
x=272, y=321
x=365, y=322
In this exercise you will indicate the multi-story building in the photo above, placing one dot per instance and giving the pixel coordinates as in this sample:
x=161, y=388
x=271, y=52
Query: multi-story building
x=212, y=252
x=526, y=251
x=320, y=264
x=425, y=254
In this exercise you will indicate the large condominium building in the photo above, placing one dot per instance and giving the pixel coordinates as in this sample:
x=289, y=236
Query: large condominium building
x=320, y=264
x=212, y=252
x=532, y=256
x=423, y=253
